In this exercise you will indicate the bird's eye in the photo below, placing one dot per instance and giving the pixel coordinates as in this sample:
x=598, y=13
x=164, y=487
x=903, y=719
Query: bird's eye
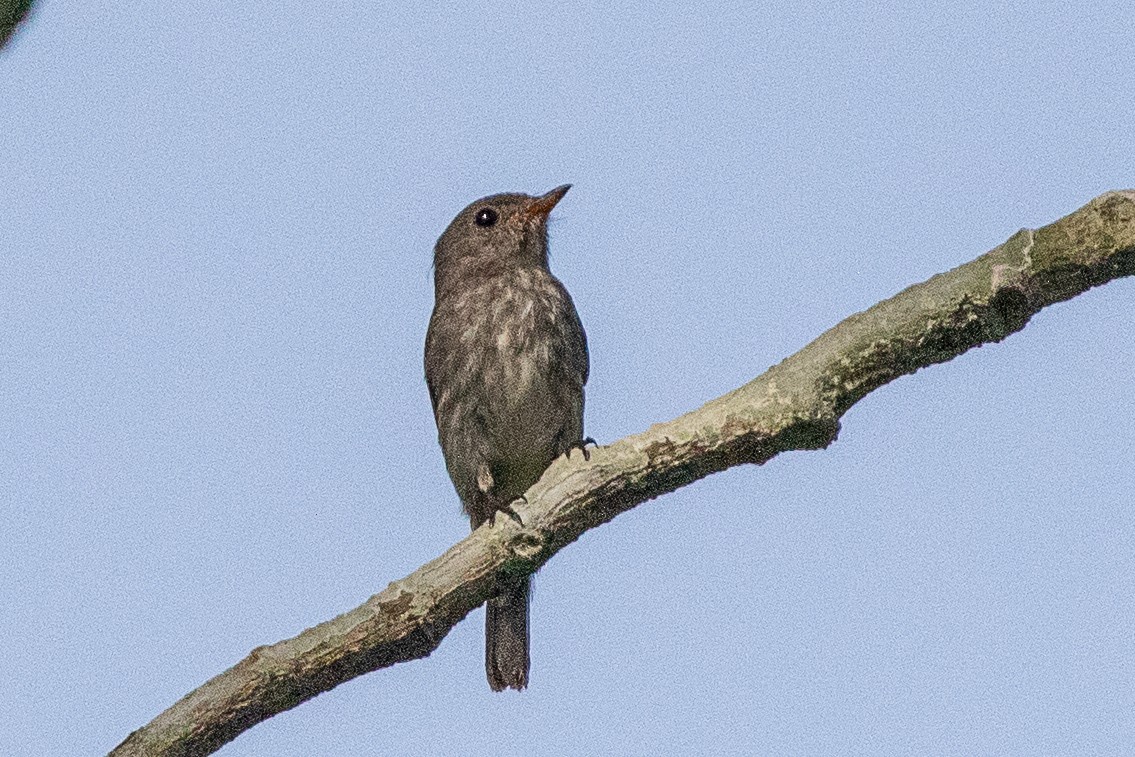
x=485, y=217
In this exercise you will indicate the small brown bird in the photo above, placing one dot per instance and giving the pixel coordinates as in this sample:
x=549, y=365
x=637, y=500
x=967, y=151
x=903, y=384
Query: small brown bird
x=506, y=361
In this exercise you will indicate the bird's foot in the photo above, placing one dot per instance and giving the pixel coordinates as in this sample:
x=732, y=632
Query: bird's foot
x=581, y=445
x=507, y=510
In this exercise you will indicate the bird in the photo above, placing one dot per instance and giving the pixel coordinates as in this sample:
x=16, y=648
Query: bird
x=506, y=362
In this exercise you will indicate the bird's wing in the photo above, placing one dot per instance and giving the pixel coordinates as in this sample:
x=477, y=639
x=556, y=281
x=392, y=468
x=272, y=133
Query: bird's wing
x=434, y=359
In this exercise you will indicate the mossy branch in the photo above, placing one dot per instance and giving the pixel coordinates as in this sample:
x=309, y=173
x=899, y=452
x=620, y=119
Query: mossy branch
x=795, y=405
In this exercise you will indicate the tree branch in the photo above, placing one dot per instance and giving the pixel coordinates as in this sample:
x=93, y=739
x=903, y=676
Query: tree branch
x=795, y=405
x=12, y=14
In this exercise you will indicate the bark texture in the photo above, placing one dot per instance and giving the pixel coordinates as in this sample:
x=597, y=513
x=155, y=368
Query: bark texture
x=795, y=405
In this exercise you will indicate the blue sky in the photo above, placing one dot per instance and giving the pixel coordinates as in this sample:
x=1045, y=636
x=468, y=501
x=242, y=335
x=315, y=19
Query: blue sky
x=214, y=429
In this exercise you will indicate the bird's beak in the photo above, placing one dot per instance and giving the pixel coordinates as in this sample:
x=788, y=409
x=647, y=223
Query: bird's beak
x=543, y=205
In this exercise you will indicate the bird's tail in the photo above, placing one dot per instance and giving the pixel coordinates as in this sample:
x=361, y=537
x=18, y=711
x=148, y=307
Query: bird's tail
x=506, y=638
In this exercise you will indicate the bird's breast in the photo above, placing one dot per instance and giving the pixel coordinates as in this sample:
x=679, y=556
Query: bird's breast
x=513, y=348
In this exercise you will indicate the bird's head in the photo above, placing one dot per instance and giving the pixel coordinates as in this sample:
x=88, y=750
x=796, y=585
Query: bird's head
x=496, y=233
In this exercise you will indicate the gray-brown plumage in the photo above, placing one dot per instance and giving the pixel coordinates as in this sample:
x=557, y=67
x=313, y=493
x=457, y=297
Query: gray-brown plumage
x=506, y=361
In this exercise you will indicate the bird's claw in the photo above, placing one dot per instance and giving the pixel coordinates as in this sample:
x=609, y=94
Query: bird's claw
x=507, y=510
x=581, y=445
